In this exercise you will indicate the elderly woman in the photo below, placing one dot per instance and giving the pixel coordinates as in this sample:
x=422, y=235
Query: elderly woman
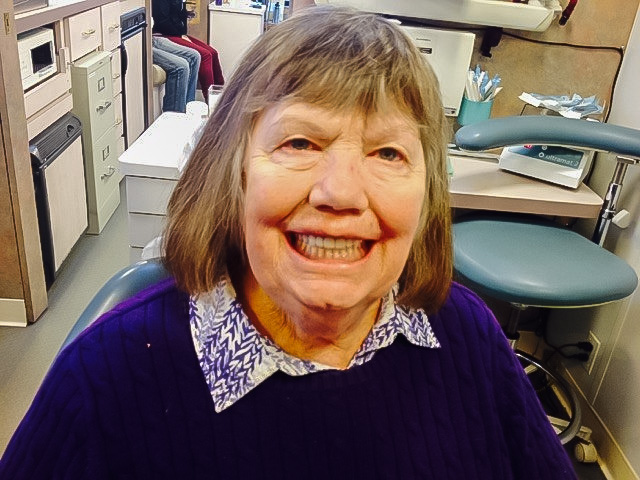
x=311, y=330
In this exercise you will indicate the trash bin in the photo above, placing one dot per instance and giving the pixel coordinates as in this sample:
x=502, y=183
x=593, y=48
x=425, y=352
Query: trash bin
x=58, y=174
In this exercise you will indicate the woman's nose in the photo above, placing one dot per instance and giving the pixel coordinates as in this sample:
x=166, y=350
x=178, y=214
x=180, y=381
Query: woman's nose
x=340, y=184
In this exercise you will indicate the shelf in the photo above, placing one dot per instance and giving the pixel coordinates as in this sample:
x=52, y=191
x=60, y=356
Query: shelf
x=492, y=13
x=55, y=11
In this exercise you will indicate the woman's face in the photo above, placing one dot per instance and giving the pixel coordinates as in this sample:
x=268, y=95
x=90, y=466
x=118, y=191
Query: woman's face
x=333, y=201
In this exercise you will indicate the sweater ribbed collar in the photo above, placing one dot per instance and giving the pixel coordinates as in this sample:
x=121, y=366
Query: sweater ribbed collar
x=235, y=358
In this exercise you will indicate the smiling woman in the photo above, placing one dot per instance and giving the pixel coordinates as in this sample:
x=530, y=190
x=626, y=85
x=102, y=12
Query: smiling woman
x=361, y=71
x=322, y=227
x=311, y=330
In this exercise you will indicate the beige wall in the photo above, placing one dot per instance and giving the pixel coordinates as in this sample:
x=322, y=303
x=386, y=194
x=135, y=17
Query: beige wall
x=613, y=387
x=556, y=70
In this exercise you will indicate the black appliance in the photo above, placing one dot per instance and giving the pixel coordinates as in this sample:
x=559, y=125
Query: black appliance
x=58, y=174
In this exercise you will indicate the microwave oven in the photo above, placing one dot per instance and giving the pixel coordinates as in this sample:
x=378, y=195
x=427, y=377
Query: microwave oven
x=36, y=50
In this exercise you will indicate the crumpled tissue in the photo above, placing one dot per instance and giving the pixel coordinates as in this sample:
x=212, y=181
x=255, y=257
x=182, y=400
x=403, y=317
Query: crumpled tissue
x=574, y=107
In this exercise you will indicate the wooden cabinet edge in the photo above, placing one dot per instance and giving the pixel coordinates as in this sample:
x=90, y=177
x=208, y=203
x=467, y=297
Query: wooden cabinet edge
x=18, y=164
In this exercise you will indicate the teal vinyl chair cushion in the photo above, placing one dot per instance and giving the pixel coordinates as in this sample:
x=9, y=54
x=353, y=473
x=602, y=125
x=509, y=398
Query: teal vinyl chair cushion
x=531, y=261
x=121, y=286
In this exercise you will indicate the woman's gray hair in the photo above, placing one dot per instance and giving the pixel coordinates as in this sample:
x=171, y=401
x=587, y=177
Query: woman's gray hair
x=338, y=58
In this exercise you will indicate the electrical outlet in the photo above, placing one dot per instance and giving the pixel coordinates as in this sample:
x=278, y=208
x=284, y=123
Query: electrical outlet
x=588, y=365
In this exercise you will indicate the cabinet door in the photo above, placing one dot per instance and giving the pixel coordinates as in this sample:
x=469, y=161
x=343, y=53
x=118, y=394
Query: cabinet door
x=83, y=33
x=134, y=99
x=67, y=200
x=110, y=14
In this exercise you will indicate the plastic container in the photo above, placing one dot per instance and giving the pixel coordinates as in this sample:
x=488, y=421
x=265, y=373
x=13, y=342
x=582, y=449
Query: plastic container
x=472, y=112
x=213, y=95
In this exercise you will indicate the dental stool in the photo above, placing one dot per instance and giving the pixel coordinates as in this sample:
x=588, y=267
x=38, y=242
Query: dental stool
x=529, y=261
x=123, y=285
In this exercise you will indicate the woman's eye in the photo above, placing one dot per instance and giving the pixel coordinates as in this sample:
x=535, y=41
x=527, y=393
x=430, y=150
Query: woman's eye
x=390, y=154
x=299, y=144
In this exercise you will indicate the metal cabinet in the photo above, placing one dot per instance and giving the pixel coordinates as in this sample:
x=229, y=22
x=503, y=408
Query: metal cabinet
x=92, y=87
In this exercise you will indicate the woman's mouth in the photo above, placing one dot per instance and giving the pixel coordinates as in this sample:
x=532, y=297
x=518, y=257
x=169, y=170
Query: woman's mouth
x=316, y=247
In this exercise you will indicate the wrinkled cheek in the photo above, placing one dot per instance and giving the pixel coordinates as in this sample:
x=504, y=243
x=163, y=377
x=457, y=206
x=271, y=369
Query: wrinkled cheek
x=403, y=214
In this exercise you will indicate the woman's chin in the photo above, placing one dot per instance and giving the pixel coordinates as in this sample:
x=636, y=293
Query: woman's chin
x=331, y=296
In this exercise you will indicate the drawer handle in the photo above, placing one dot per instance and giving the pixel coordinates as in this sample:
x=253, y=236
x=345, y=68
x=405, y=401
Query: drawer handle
x=110, y=171
x=116, y=76
x=88, y=33
x=113, y=27
x=118, y=122
x=102, y=108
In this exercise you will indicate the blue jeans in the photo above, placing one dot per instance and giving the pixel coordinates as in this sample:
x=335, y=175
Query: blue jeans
x=181, y=65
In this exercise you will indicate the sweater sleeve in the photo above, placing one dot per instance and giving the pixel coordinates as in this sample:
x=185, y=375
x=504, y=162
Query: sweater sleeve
x=169, y=17
x=535, y=450
x=52, y=439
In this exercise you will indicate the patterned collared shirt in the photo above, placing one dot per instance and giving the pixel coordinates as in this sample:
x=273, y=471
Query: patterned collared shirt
x=235, y=358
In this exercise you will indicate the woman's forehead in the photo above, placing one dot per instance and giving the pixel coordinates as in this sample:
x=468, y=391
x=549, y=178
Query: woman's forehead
x=388, y=116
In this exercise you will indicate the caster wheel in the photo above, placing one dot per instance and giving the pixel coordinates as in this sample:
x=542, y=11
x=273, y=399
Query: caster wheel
x=585, y=452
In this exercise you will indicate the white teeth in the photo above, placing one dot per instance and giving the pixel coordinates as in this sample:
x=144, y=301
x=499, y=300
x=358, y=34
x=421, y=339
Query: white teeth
x=316, y=247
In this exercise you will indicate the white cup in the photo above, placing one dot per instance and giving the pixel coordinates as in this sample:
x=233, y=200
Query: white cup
x=197, y=109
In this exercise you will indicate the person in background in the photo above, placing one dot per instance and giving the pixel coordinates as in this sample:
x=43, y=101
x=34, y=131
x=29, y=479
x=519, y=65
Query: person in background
x=311, y=329
x=181, y=64
x=170, y=21
x=297, y=5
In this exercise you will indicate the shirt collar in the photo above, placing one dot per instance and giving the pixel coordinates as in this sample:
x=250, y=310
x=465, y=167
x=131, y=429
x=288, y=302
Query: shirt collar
x=235, y=358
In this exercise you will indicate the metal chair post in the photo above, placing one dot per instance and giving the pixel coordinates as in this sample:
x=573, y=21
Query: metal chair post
x=609, y=205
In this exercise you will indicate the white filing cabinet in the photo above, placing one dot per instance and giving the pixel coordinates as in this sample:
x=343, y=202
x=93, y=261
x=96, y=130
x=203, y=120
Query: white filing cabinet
x=231, y=31
x=151, y=168
x=93, y=103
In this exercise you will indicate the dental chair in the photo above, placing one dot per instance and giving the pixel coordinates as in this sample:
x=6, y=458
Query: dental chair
x=121, y=286
x=529, y=261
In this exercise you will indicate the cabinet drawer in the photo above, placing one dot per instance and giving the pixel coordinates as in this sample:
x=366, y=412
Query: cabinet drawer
x=105, y=167
x=143, y=228
x=119, y=124
x=118, y=112
x=41, y=95
x=110, y=14
x=121, y=148
x=83, y=33
x=116, y=72
x=102, y=112
x=149, y=195
x=52, y=112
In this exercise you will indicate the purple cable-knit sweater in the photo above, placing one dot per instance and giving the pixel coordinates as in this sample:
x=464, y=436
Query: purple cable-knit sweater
x=128, y=400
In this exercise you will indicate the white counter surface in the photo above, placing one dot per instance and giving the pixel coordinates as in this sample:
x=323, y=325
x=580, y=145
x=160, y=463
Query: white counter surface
x=163, y=149
x=226, y=8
